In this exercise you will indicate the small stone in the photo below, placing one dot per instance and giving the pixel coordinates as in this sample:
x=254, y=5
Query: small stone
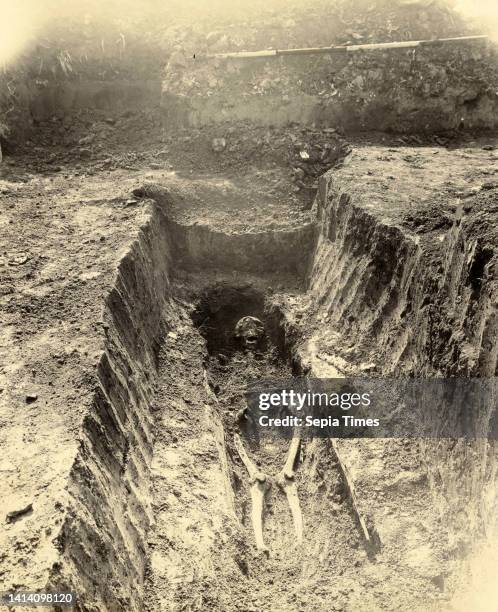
x=218, y=145
x=367, y=367
x=298, y=173
x=489, y=186
x=86, y=139
x=406, y=480
x=139, y=192
x=31, y=397
x=16, y=514
x=19, y=259
x=438, y=581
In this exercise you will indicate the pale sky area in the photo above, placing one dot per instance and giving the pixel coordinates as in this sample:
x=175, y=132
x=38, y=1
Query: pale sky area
x=18, y=22
x=480, y=8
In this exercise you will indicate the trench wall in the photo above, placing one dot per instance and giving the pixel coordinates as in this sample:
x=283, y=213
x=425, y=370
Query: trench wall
x=427, y=89
x=68, y=98
x=288, y=251
x=108, y=514
x=414, y=311
x=423, y=310
x=33, y=101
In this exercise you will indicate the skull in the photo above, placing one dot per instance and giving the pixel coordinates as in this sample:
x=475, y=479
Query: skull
x=250, y=331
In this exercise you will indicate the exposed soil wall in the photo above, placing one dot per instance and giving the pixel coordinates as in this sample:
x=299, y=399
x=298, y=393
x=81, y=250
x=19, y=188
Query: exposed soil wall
x=201, y=247
x=33, y=102
x=422, y=305
x=108, y=512
x=63, y=100
x=112, y=58
x=410, y=303
x=378, y=286
x=428, y=89
x=90, y=59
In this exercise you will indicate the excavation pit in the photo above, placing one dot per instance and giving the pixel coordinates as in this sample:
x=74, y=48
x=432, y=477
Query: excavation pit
x=157, y=484
x=221, y=307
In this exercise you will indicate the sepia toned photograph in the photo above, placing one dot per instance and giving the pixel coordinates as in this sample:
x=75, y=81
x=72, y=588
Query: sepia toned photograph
x=249, y=305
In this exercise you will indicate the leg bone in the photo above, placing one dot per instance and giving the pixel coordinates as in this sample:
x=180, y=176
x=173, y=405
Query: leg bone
x=288, y=469
x=258, y=490
x=290, y=489
x=258, y=482
x=254, y=473
x=286, y=481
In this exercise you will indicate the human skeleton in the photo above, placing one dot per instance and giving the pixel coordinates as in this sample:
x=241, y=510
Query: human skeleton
x=250, y=333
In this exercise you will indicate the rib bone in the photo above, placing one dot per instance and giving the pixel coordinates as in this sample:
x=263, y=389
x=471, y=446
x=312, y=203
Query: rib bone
x=259, y=485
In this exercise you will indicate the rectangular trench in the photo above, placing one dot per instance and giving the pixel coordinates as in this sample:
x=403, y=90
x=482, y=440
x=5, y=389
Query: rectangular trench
x=157, y=498
x=108, y=511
